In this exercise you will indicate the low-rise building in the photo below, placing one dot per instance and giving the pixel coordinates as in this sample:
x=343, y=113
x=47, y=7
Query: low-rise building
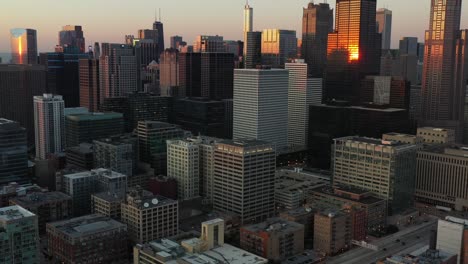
x=332, y=232
x=452, y=237
x=375, y=208
x=87, y=239
x=275, y=239
x=149, y=216
x=48, y=206
x=81, y=156
x=307, y=257
x=107, y=204
x=432, y=135
x=422, y=256
x=304, y=216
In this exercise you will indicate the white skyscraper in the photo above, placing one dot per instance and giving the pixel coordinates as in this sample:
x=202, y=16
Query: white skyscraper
x=248, y=23
x=451, y=234
x=384, y=22
x=261, y=105
x=302, y=93
x=49, y=124
x=183, y=163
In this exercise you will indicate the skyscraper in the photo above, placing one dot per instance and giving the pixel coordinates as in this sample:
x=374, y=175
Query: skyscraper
x=248, y=24
x=278, y=46
x=384, y=23
x=13, y=152
x=261, y=105
x=247, y=188
x=205, y=43
x=253, y=46
x=353, y=48
x=169, y=72
x=23, y=46
x=49, y=123
x=89, y=84
x=177, y=42
x=183, y=161
x=72, y=37
x=317, y=22
x=443, y=85
x=118, y=70
x=159, y=26
x=302, y=93
x=19, y=84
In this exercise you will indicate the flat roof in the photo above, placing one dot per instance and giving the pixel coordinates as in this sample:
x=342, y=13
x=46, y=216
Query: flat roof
x=374, y=141
x=275, y=224
x=86, y=225
x=104, y=172
x=94, y=116
x=364, y=200
x=40, y=198
x=14, y=212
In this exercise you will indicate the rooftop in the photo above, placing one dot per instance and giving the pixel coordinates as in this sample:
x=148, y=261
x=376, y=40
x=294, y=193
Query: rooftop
x=273, y=225
x=364, y=199
x=146, y=200
x=14, y=212
x=97, y=172
x=110, y=197
x=94, y=116
x=308, y=256
x=86, y=225
x=374, y=141
x=40, y=198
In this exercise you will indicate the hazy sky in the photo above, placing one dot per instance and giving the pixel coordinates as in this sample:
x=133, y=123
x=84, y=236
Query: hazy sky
x=110, y=20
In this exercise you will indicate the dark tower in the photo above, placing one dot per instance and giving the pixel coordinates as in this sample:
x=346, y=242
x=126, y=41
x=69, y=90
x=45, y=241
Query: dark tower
x=158, y=25
x=317, y=22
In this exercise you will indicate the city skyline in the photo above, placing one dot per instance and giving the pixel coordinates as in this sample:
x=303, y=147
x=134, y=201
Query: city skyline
x=196, y=20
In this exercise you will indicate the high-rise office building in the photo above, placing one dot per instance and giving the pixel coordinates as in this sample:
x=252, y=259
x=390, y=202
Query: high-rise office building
x=169, y=72
x=206, y=74
x=452, y=234
x=438, y=183
x=183, y=161
x=253, y=47
x=152, y=136
x=80, y=186
x=63, y=74
x=177, y=42
x=261, y=105
x=13, y=152
x=201, y=116
x=19, y=84
x=118, y=70
x=386, y=168
x=384, y=24
x=443, y=85
x=72, y=37
x=278, y=46
x=408, y=45
x=118, y=153
x=147, y=34
x=89, y=84
x=248, y=188
x=248, y=25
x=87, y=239
x=387, y=91
x=138, y=106
x=49, y=124
x=20, y=236
x=149, y=217
x=84, y=128
x=205, y=43
x=302, y=93
x=317, y=22
x=353, y=49
x=23, y=46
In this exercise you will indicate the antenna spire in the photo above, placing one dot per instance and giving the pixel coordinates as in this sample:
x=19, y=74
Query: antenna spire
x=160, y=14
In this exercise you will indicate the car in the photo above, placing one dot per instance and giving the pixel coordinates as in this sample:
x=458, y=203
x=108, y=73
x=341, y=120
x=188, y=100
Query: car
x=384, y=249
x=418, y=237
x=403, y=243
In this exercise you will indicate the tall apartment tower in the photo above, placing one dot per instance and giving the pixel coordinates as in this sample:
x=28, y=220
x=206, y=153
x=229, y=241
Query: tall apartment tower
x=23, y=46
x=118, y=70
x=384, y=24
x=358, y=162
x=317, y=22
x=302, y=93
x=72, y=37
x=49, y=124
x=253, y=47
x=261, y=105
x=444, y=70
x=248, y=188
x=119, y=154
x=13, y=152
x=353, y=49
x=90, y=84
x=278, y=46
x=183, y=164
x=169, y=72
x=19, y=84
x=20, y=236
x=248, y=24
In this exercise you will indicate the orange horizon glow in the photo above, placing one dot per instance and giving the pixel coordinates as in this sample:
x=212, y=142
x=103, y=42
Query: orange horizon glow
x=20, y=50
